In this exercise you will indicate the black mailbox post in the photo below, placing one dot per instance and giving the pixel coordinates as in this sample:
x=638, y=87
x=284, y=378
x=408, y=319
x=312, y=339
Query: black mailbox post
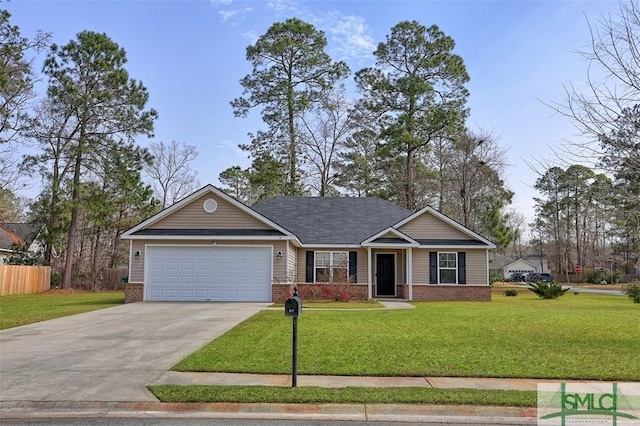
x=293, y=309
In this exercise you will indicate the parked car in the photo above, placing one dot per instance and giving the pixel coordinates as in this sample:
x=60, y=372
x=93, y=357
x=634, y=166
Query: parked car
x=516, y=277
x=541, y=276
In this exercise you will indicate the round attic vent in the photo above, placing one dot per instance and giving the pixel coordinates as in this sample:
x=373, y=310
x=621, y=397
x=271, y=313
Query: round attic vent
x=210, y=205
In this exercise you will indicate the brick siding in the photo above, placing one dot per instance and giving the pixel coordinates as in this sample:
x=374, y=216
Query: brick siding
x=280, y=292
x=133, y=292
x=440, y=292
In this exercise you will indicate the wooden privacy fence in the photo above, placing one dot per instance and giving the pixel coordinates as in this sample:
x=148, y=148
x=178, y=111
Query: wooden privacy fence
x=19, y=279
x=113, y=278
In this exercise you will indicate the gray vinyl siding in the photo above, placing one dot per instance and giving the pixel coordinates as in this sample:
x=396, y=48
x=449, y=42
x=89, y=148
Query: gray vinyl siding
x=293, y=264
x=193, y=216
x=427, y=226
x=476, y=265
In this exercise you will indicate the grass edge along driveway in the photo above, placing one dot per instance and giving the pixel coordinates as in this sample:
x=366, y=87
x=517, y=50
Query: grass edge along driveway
x=23, y=309
x=317, y=395
x=582, y=337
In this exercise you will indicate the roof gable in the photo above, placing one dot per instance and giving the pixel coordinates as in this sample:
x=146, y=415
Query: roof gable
x=194, y=216
x=390, y=237
x=430, y=227
x=520, y=261
x=332, y=220
x=194, y=213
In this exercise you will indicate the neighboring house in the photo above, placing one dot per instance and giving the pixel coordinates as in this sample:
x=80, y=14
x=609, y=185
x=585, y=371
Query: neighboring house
x=19, y=234
x=519, y=266
x=638, y=267
x=211, y=247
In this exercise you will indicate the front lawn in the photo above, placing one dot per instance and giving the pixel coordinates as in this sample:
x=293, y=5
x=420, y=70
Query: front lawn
x=585, y=336
x=21, y=309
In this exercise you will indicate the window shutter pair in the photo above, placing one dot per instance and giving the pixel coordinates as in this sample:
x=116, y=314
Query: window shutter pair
x=433, y=267
x=353, y=266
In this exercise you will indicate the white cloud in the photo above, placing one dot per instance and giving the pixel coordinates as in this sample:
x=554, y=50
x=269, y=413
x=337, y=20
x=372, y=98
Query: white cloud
x=350, y=34
x=251, y=36
x=284, y=6
x=222, y=2
x=229, y=13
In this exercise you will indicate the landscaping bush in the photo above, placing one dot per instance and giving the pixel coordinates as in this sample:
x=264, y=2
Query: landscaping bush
x=546, y=290
x=339, y=292
x=310, y=292
x=633, y=291
x=336, y=286
x=511, y=292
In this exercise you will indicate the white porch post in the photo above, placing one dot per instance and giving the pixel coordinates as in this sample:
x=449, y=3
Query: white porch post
x=410, y=272
x=287, y=277
x=369, y=273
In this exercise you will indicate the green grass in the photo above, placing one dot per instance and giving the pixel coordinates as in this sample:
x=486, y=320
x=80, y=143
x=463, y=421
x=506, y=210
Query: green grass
x=24, y=309
x=582, y=336
x=316, y=395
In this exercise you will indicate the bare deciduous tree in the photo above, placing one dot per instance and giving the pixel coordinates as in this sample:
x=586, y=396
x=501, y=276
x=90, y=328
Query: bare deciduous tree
x=170, y=172
x=323, y=134
x=601, y=108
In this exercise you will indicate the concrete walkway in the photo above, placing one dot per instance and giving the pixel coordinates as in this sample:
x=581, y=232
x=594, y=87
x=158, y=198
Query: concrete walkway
x=230, y=379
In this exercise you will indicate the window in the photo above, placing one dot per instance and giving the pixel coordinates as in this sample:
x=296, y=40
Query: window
x=330, y=265
x=447, y=268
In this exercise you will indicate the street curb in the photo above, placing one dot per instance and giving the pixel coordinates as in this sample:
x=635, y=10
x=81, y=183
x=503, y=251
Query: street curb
x=464, y=414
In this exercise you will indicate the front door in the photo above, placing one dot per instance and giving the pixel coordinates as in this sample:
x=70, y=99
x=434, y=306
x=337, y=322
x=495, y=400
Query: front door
x=385, y=275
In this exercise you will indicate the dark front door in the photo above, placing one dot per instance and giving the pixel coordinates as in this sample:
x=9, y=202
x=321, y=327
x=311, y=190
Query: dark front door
x=385, y=275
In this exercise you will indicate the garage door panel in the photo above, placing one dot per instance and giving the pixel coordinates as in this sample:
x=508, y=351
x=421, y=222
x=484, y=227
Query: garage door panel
x=208, y=273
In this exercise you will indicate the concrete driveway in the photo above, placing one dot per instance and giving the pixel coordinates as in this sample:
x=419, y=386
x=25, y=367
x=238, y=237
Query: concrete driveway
x=110, y=354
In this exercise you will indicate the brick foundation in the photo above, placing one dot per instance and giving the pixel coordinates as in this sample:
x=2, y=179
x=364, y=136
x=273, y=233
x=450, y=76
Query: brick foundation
x=280, y=292
x=133, y=292
x=440, y=292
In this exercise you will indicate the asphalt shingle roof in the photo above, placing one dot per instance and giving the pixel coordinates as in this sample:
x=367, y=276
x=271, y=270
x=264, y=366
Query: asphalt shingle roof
x=332, y=220
x=17, y=233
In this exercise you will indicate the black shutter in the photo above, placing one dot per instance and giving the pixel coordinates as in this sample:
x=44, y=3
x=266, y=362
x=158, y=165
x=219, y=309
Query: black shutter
x=462, y=267
x=433, y=267
x=310, y=260
x=353, y=265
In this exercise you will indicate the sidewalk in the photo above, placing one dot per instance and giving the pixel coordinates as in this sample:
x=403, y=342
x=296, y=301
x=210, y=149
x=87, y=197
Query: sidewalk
x=458, y=414
x=191, y=378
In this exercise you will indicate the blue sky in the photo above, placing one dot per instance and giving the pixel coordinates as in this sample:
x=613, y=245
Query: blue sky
x=191, y=55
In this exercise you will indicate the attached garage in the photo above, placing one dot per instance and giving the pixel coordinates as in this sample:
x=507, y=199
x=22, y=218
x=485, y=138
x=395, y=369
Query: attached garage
x=208, y=273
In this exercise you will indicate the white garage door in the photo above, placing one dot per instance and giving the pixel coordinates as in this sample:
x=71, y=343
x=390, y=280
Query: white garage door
x=221, y=274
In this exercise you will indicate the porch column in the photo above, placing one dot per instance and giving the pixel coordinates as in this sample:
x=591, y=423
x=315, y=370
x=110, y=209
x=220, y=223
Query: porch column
x=287, y=278
x=369, y=274
x=410, y=271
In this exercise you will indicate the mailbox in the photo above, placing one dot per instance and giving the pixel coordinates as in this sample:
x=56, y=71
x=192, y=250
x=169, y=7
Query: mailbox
x=293, y=307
